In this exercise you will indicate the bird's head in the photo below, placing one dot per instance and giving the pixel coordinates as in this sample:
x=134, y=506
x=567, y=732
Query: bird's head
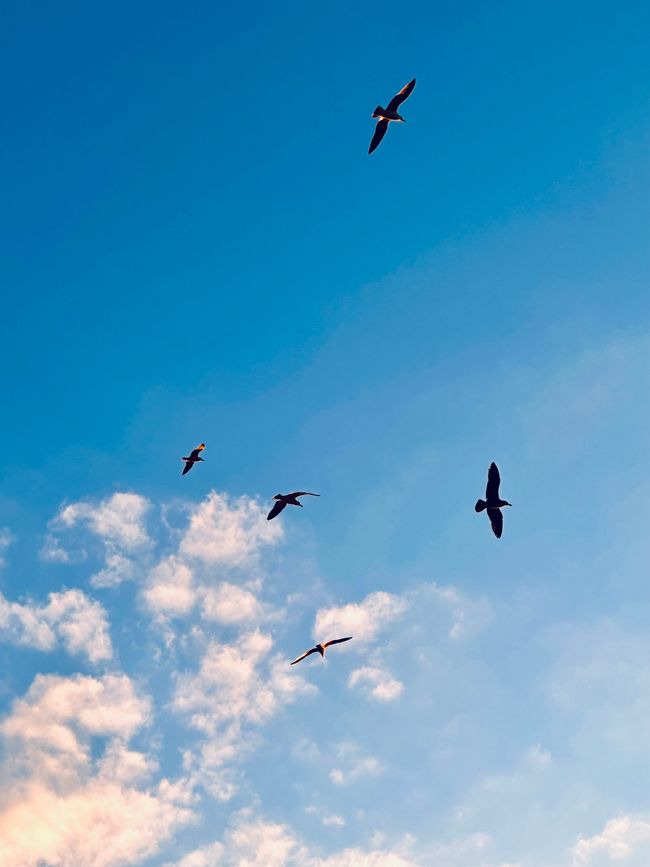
x=278, y=497
x=505, y=503
x=400, y=118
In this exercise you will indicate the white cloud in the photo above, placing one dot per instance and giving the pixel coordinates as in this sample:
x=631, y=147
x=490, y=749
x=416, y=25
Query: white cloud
x=61, y=806
x=6, y=539
x=256, y=843
x=363, y=620
x=229, y=604
x=99, y=824
x=469, y=615
x=622, y=839
x=238, y=682
x=52, y=551
x=376, y=683
x=205, y=856
x=253, y=842
x=221, y=534
x=356, y=768
x=238, y=686
x=170, y=589
x=328, y=820
x=360, y=858
x=70, y=619
x=58, y=712
x=119, y=521
x=229, y=532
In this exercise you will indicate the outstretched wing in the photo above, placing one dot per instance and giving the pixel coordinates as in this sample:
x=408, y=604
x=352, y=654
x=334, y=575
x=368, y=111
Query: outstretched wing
x=399, y=98
x=195, y=452
x=380, y=132
x=306, y=653
x=337, y=641
x=496, y=519
x=303, y=494
x=275, y=511
x=188, y=466
x=493, y=482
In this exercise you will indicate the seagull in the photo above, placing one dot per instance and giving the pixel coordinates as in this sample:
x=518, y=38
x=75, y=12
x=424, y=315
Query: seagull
x=320, y=648
x=385, y=115
x=287, y=500
x=192, y=459
x=492, y=502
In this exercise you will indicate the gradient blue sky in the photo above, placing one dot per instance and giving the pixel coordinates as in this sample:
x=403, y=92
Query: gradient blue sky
x=195, y=246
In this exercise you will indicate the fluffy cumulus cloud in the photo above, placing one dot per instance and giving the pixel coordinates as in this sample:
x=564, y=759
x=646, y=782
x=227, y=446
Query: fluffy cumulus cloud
x=229, y=604
x=363, y=620
x=69, y=619
x=223, y=536
x=119, y=522
x=170, y=589
x=228, y=532
x=376, y=683
x=67, y=804
x=623, y=840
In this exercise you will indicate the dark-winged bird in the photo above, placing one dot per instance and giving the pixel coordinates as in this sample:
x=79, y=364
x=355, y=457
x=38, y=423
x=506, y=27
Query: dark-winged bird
x=492, y=502
x=320, y=648
x=385, y=115
x=192, y=458
x=287, y=500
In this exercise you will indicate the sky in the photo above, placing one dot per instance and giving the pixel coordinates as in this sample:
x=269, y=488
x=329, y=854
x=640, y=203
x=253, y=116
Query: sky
x=196, y=247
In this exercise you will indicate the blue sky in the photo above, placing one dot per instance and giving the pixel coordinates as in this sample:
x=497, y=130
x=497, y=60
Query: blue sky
x=196, y=247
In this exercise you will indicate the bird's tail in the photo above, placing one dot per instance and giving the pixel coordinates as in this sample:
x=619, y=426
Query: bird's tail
x=480, y=505
x=378, y=111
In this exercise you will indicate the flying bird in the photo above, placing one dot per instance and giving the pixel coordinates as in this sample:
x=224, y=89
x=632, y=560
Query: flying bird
x=287, y=500
x=192, y=459
x=320, y=648
x=385, y=115
x=492, y=502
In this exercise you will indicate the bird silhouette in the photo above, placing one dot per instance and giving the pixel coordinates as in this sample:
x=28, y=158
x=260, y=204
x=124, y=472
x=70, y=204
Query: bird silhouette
x=192, y=459
x=385, y=115
x=287, y=500
x=492, y=502
x=320, y=648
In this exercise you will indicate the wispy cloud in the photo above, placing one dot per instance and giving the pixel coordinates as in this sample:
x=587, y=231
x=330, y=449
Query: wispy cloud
x=255, y=842
x=355, y=766
x=376, y=683
x=239, y=686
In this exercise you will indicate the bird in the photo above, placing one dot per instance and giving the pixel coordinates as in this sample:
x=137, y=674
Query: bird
x=320, y=648
x=192, y=459
x=385, y=115
x=287, y=500
x=492, y=502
